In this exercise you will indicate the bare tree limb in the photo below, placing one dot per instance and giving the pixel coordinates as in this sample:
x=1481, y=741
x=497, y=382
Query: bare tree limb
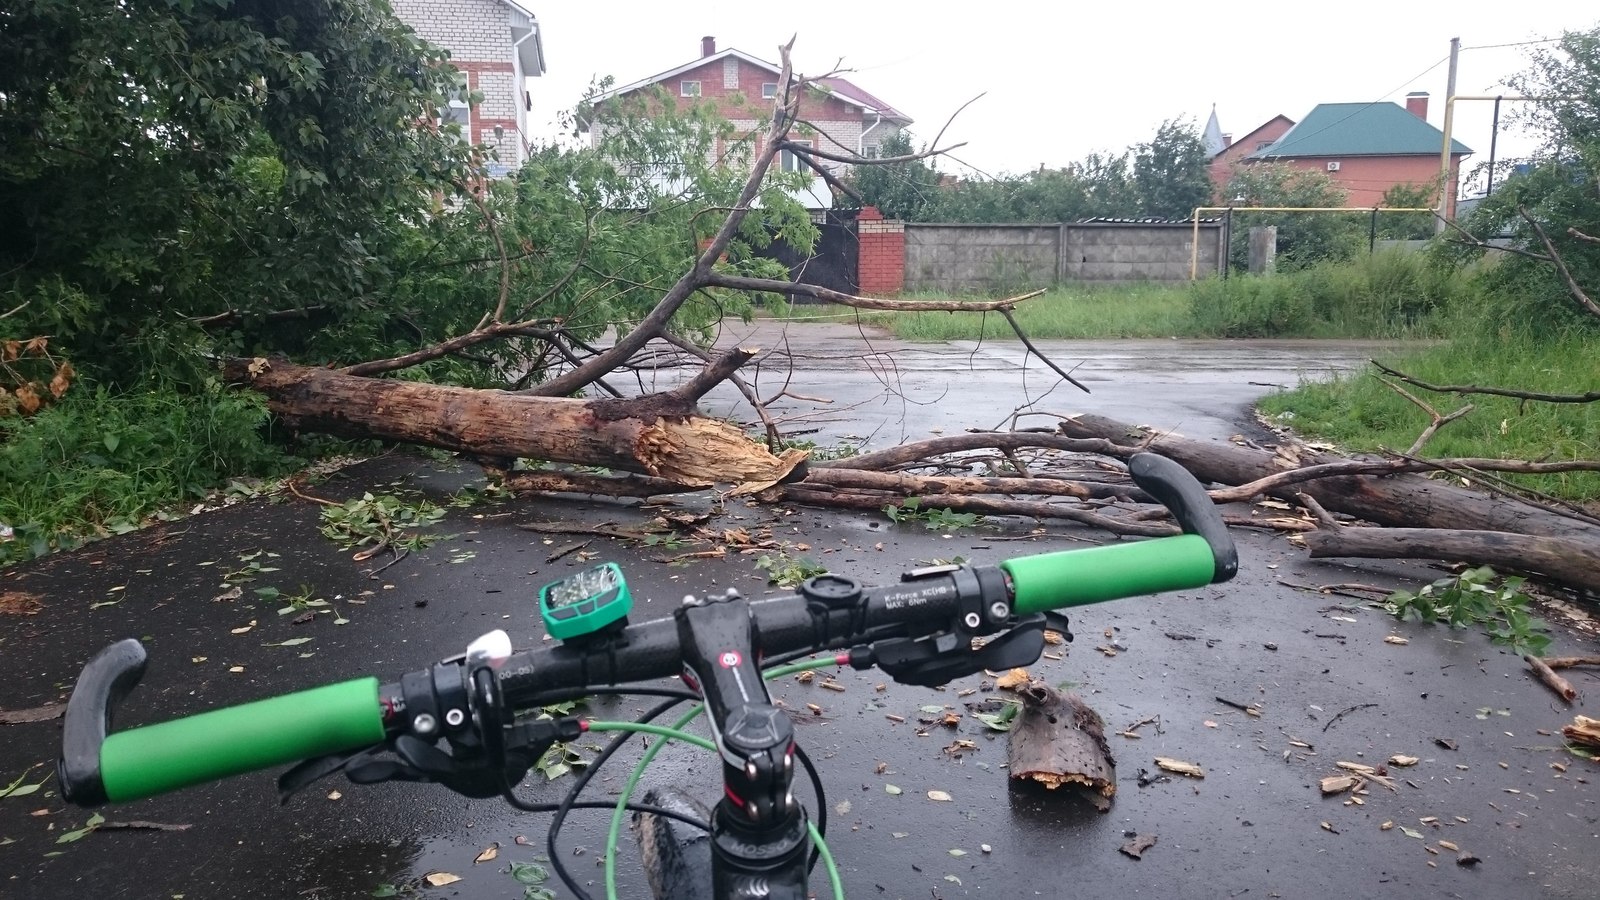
x=1583, y=237
x=1473, y=241
x=820, y=496
x=1012, y=321
x=1433, y=426
x=713, y=374
x=771, y=285
x=1573, y=288
x=1287, y=477
x=232, y=315
x=1588, y=397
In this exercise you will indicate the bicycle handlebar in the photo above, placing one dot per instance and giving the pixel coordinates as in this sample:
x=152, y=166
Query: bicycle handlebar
x=129, y=765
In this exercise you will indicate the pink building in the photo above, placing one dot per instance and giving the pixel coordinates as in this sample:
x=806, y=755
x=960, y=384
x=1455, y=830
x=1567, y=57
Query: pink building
x=1368, y=148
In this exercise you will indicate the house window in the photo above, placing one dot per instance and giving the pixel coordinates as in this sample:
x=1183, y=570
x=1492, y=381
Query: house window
x=870, y=151
x=769, y=90
x=689, y=89
x=789, y=161
x=458, y=110
x=1262, y=145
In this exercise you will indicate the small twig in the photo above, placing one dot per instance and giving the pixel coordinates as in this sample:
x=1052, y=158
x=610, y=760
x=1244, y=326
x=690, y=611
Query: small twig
x=1554, y=682
x=399, y=554
x=1344, y=712
x=1016, y=463
x=1247, y=708
x=602, y=530
x=567, y=550
x=141, y=825
x=295, y=490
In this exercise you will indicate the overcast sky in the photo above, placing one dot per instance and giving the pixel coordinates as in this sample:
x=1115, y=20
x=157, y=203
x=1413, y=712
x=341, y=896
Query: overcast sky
x=1063, y=79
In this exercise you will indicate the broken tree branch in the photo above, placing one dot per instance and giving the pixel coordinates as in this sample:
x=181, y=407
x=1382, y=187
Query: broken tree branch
x=1588, y=397
x=1568, y=662
x=1554, y=682
x=1573, y=288
x=771, y=285
x=1021, y=336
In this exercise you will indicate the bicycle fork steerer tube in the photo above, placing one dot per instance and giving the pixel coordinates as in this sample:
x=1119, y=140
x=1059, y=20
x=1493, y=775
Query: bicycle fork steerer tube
x=758, y=830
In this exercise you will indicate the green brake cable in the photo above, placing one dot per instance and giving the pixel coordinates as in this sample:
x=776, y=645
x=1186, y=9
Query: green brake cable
x=674, y=732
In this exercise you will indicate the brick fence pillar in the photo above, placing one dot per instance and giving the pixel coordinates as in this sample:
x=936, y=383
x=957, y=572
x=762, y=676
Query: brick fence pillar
x=881, y=268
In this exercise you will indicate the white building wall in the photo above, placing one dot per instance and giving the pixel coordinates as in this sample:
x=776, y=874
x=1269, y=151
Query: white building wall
x=478, y=33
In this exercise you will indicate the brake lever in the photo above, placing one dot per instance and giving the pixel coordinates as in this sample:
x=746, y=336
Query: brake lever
x=942, y=658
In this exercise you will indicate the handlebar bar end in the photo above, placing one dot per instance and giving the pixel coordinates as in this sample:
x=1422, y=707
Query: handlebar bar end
x=105, y=681
x=1177, y=490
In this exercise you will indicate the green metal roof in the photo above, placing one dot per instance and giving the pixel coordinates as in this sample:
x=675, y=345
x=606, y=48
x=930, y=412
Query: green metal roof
x=1359, y=129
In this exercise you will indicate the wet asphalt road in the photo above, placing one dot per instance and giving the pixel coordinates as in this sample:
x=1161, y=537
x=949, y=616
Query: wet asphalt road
x=1255, y=826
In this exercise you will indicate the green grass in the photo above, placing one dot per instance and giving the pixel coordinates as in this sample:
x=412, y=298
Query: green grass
x=1360, y=413
x=1387, y=295
x=1135, y=311
x=99, y=463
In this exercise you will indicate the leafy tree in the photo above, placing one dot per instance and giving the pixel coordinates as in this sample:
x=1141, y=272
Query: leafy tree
x=161, y=162
x=1109, y=188
x=900, y=190
x=1558, y=194
x=1170, y=171
x=1408, y=226
x=1303, y=238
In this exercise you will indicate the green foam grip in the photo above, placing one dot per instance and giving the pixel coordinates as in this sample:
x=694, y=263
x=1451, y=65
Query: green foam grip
x=141, y=762
x=1091, y=575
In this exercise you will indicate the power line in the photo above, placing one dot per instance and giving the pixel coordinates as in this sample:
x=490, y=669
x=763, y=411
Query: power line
x=1381, y=99
x=1514, y=44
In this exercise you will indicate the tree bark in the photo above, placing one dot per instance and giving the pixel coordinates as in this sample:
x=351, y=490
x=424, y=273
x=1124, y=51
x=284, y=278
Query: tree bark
x=1058, y=739
x=1574, y=562
x=660, y=435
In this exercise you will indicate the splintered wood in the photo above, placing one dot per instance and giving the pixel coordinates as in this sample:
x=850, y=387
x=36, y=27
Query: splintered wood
x=1584, y=731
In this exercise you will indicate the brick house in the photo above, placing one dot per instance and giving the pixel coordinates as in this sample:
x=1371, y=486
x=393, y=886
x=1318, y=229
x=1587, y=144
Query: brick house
x=1368, y=148
x=1232, y=152
x=497, y=45
x=848, y=120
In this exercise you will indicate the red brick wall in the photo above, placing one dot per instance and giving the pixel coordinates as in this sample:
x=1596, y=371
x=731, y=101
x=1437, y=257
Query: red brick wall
x=881, y=269
x=1367, y=177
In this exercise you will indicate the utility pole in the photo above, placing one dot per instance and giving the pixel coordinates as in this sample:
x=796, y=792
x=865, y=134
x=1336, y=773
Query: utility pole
x=1445, y=175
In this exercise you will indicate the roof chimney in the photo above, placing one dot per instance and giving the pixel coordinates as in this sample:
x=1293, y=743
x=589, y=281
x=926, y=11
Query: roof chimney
x=1417, y=104
x=708, y=46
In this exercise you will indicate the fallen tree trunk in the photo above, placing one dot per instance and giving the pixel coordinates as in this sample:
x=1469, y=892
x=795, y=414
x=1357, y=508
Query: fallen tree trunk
x=660, y=435
x=1575, y=562
x=1404, y=500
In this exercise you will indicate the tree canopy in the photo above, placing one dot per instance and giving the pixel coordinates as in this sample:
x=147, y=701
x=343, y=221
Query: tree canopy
x=162, y=162
x=1165, y=177
x=1553, y=209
